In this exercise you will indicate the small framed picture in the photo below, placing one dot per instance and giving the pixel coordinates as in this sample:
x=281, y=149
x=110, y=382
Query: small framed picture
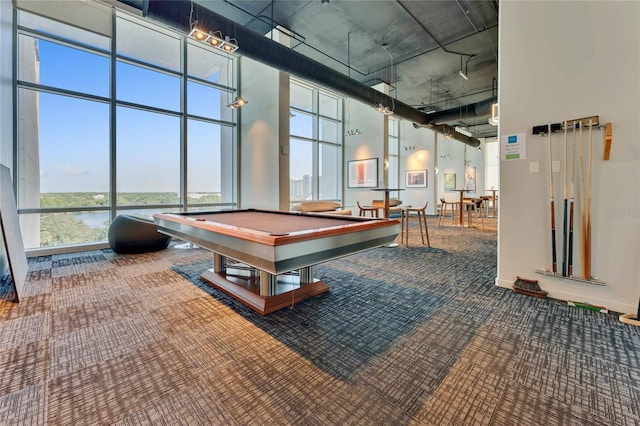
x=449, y=181
x=416, y=179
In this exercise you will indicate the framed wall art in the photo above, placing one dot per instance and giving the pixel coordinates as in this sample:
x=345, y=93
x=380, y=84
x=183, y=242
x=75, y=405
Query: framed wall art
x=362, y=173
x=416, y=179
x=470, y=178
x=449, y=181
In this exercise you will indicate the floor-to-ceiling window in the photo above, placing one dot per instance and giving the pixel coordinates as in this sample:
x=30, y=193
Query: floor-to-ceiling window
x=393, y=153
x=133, y=121
x=315, y=144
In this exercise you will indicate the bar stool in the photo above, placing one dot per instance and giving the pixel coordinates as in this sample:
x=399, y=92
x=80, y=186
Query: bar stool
x=485, y=205
x=443, y=211
x=474, y=205
x=421, y=214
x=364, y=209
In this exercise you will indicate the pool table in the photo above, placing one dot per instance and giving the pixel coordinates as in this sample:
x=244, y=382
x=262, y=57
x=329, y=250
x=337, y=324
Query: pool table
x=265, y=258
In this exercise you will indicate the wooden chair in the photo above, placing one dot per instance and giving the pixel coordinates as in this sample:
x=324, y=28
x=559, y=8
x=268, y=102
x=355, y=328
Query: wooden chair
x=364, y=209
x=395, y=207
x=421, y=214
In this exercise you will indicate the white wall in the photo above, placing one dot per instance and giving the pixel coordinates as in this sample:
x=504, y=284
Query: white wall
x=564, y=60
x=261, y=136
x=419, y=156
x=443, y=156
x=369, y=144
x=450, y=159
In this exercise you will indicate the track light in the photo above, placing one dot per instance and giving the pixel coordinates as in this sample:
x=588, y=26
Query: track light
x=463, y=131
x=215, y=39
x=198, y=34
x=352, y=132
x=463, y=74
x=383, y=109
x=230, y=44
x=237, y=103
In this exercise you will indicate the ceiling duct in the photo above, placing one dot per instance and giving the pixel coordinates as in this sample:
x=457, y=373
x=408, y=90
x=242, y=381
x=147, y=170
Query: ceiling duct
x=255, y=46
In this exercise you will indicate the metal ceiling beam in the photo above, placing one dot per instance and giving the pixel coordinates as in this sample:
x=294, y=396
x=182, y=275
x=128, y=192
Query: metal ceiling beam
x=177, y=14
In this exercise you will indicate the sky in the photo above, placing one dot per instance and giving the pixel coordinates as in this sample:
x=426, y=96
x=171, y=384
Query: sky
x=74, y=133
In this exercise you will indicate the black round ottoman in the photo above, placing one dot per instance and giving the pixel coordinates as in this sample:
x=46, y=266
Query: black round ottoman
x=130, y=234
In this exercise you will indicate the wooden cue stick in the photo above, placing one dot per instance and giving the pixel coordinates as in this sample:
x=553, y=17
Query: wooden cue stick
x=589, y=193
x=583, y=217
x=554, y=264
x=571, y=200
x=565, y=212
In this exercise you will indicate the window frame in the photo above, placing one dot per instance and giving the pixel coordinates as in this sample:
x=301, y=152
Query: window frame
x=227, y=122
x=317, y=142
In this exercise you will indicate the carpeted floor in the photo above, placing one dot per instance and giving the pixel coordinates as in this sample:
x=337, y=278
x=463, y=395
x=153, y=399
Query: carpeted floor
x=406, y=336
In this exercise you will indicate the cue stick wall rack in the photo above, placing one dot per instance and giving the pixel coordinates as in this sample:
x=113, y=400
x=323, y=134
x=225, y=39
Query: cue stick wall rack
x=556, y=127
x=592, y=281
x=541, y=130
x=594, y=123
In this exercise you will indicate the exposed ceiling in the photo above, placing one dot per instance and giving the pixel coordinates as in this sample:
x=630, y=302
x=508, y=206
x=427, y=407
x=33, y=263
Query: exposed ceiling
x=427, y=42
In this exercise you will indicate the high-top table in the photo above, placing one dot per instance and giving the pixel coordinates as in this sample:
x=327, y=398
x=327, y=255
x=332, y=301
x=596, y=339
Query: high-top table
x=462, y=191
x=386, y=197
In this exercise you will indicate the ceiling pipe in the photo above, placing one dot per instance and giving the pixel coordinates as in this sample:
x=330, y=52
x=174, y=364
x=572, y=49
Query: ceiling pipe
x=176, y=14
x=478, y=109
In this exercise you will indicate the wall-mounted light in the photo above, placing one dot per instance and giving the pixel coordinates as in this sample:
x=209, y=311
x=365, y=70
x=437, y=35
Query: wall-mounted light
x=238, y=103
x=215, y=39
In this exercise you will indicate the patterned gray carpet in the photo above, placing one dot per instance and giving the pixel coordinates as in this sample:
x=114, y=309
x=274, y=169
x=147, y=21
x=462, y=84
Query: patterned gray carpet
x=405, y=336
